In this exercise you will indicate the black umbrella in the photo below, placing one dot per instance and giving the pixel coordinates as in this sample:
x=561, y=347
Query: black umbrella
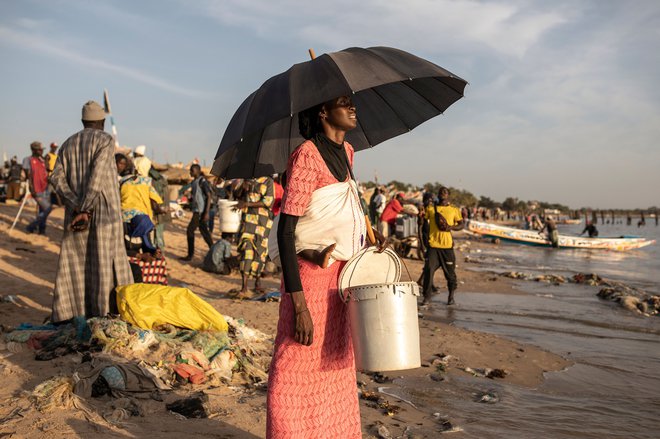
x=393, y=91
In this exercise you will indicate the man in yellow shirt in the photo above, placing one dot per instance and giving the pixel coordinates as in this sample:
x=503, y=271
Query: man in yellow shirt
x=442, y=219
x=51, y=158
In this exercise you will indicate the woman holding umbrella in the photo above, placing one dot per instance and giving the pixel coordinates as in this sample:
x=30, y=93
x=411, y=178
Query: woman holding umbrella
x=311, y=388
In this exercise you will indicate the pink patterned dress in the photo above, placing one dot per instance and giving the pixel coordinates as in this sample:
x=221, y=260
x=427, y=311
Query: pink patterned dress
x=312, y=390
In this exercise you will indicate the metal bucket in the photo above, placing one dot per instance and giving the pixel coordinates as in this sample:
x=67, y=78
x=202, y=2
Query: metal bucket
x=384, y=325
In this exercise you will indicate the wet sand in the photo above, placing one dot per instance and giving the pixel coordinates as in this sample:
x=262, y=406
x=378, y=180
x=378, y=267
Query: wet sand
x=28, y=268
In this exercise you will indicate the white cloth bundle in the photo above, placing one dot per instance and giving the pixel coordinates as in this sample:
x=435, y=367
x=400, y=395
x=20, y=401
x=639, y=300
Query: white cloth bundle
x=334, y=216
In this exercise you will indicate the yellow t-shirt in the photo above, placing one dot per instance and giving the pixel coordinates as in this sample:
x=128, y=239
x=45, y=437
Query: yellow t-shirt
x=51, y=158
x=438, y=238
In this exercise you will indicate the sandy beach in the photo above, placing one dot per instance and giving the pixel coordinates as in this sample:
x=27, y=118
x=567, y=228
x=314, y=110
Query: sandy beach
x=28, y=268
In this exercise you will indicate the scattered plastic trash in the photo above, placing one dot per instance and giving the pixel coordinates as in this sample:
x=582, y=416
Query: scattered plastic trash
x=489, y=397
x=587, y=278
x=240, y=355
x=189, y=372
x=445, y=424
x=632, y=299
x=56, y=393
x=384, y=391
x=384, y=433
x=193, y=407
x=273, y=296
x=106, y=375
x=122, y=409
x=486, y=372
x=10, y=298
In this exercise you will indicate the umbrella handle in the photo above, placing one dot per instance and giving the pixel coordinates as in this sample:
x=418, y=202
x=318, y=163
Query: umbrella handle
x=370, y=231
x=312, y=55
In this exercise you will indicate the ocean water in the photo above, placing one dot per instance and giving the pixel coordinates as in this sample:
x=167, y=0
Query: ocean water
x=639, y=268
x=613, y=388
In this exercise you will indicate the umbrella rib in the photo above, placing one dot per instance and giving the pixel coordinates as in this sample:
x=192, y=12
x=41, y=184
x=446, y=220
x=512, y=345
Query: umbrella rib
x=364, y=132
x=391, y=107
x=342, y=76
x=407, y=84
x=451, y=75
x=437, y=78
x=261, y=140
x=386, y=62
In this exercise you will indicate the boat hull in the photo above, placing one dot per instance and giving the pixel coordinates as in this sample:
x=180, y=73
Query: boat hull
x=532, y=237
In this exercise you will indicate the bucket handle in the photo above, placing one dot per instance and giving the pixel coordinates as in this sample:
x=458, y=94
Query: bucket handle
x=343, y=298
x=406, y=267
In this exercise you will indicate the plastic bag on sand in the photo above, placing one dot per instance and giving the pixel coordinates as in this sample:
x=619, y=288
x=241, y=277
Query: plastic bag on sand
x=147, y=305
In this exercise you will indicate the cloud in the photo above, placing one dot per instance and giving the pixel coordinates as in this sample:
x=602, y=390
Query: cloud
x=443, y=24
x=31, y=24
x=52, y=48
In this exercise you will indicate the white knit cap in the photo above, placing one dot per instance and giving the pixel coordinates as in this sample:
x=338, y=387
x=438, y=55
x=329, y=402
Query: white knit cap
x=140, y=149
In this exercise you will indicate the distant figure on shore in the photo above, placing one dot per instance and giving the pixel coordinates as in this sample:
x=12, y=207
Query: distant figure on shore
x=139, y=156
x=553, y=234
x=93, y=258
x=376, y=205
x=536, y=223
x=162, y=216
x=442, y=219
x=591, y=229
x=51, y=158
x=14, y=178
x=388, y=217
x=642, y=221
x=36, y=174
x=200, y=205
x=219, y=259
x=628, y=220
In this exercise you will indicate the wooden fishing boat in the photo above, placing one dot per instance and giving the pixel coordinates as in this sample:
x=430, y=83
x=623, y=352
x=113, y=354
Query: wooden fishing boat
x=532, y=237
x=569, y=221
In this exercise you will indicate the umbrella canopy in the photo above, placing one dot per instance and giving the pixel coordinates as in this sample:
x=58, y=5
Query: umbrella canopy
x=393, y=92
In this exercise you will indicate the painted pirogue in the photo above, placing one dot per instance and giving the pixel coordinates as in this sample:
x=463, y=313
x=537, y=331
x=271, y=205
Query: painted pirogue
x=532, y=237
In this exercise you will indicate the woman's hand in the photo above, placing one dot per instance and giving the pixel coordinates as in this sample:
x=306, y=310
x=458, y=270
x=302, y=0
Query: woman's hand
x=304, y=330
x=303, y=325
x=381, y=241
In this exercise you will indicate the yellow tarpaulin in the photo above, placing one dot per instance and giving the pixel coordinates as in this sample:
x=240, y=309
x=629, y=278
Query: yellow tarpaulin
x=148, y=305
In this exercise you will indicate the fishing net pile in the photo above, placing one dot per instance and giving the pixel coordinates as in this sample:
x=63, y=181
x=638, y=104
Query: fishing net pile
x=176, y=356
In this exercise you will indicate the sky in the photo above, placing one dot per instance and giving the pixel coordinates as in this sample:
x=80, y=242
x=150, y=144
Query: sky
x=562, y=103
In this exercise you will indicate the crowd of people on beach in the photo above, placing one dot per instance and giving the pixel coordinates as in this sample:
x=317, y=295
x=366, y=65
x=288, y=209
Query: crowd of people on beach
x=144, y=210
x=118, y=204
